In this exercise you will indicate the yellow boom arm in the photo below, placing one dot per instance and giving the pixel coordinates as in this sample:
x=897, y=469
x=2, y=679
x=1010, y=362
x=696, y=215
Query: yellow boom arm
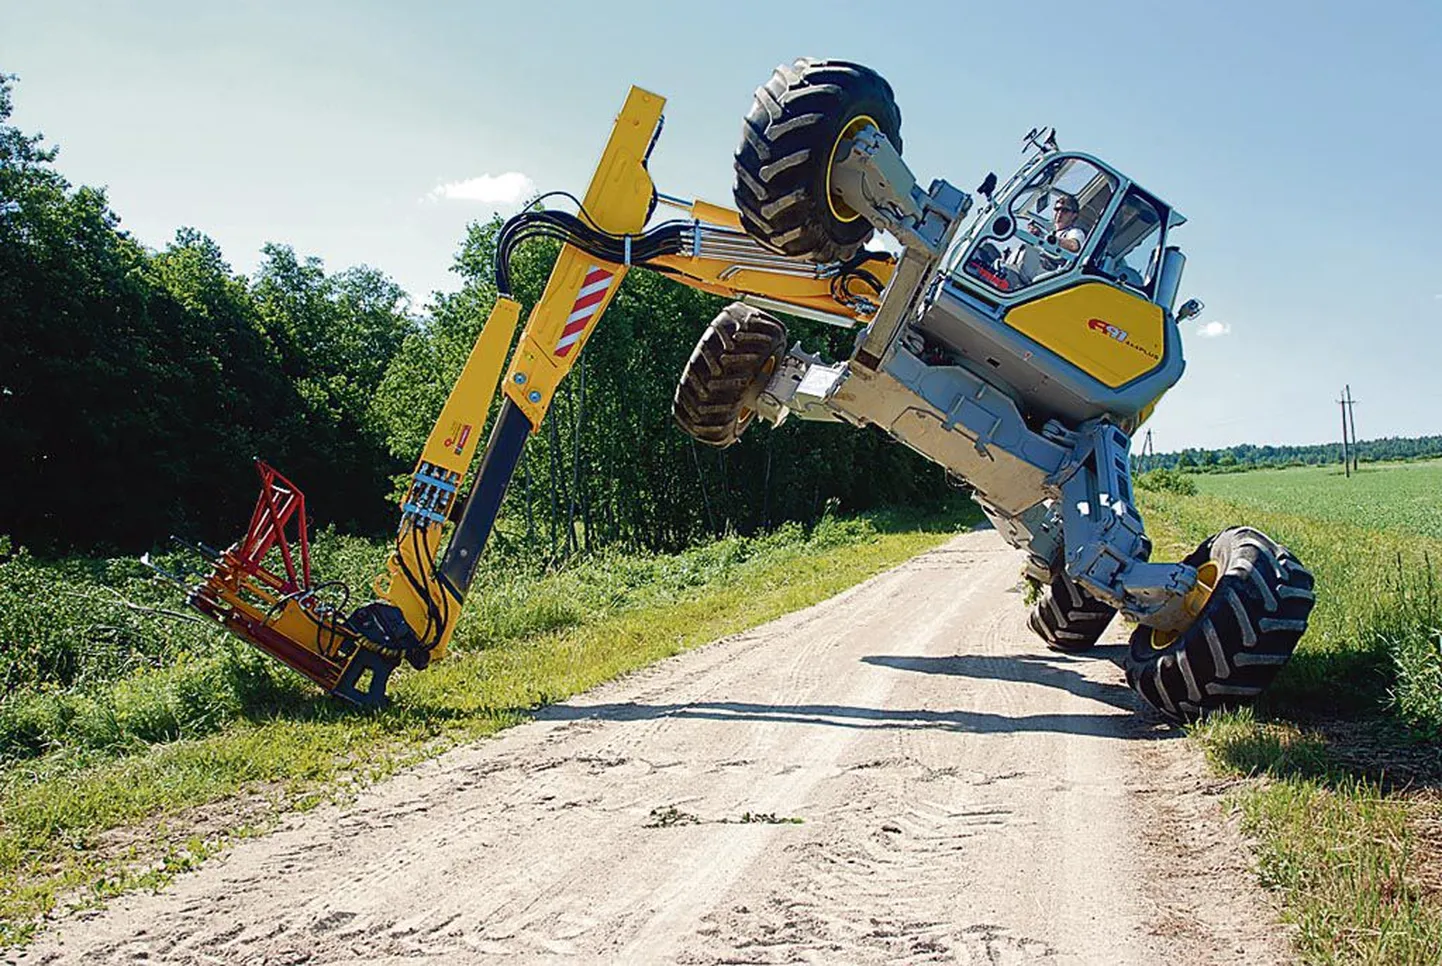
x=418, y=598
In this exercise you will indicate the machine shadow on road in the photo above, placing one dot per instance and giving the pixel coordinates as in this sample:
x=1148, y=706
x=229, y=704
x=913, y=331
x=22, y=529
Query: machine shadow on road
x=1049, y=670
x=1052, y=670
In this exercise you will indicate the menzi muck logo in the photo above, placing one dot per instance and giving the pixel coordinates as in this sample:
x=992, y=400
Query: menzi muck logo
x=1119, y=334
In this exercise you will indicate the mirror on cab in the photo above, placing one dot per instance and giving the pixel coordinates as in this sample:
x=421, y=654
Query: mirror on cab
x=1190, y=309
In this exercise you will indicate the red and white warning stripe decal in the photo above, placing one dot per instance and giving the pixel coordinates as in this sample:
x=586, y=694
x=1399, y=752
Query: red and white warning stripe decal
x=588, y=302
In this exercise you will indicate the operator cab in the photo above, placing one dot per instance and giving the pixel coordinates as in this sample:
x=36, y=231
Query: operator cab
x=1020, y=246
x=1059, y=293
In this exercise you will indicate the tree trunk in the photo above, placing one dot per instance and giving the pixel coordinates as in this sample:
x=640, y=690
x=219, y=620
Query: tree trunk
x=766, y=487
x=571, y=544
x=555, y=445
x=530, y=513
x=583, y=486
x=701, y=485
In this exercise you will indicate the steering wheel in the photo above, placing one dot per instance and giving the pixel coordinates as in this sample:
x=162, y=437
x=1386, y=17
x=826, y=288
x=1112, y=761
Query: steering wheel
x=1028, y=236
x=1051, y=249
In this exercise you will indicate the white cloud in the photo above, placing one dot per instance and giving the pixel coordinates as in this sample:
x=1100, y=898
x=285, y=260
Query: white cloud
x=506, y=190
x=1214, y=330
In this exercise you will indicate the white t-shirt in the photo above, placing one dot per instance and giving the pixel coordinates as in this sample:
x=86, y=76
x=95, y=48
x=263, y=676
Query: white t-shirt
x=1072, y=234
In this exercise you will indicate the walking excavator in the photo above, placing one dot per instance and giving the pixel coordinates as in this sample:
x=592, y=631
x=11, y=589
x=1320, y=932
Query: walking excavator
x=1017, y=335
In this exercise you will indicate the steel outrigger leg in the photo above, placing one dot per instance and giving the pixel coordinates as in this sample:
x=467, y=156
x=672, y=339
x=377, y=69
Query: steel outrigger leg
x=1107, y=550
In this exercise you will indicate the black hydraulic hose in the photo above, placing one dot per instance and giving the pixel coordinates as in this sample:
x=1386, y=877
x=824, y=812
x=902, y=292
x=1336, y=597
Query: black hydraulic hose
x=478, y=517
x=665, y=239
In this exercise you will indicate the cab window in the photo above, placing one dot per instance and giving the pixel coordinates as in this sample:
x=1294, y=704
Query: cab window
x=1129, y=250
x=1075, y=178
x=1048, y=224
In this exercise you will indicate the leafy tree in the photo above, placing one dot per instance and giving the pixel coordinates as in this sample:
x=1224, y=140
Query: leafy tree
x=334, y=336
x=135, y=386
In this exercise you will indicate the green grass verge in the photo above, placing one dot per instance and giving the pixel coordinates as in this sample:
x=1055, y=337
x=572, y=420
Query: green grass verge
x=1354, y=857
x=1344, y=748
x=114, y=784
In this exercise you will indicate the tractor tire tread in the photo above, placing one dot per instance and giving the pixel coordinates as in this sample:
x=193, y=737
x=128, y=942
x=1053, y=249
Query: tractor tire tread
x=1066, y=617
x=1244, y=635
x=782, y=161
x=713, y=399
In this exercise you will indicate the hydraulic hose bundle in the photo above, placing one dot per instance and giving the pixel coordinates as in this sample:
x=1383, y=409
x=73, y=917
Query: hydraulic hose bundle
x=668, y=238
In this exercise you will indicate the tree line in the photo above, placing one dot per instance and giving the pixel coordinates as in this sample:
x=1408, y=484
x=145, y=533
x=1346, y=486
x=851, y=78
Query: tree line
x=1249, y=456
x=136, y=387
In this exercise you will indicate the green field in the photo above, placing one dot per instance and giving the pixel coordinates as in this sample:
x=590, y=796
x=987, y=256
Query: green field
x=1402, y=497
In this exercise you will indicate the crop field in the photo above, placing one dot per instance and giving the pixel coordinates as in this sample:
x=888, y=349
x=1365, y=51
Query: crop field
x=1403, y=497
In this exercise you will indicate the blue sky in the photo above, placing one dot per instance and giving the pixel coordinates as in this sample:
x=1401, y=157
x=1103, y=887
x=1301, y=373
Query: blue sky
x=1301, y=139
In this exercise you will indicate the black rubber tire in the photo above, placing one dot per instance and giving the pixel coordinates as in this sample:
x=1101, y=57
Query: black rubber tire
x=783, y=162
x=1244, y=635
x=716, y=396
x=1067, y=618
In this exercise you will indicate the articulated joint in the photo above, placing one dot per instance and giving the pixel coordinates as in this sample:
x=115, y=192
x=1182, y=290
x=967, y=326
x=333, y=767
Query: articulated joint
x=872, y=178
x=1107, y=548
x=800, y=387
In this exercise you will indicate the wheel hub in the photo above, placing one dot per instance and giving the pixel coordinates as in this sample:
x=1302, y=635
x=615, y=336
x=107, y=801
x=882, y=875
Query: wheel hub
x=1192, y=604
x=855, y=126
x=748, y=407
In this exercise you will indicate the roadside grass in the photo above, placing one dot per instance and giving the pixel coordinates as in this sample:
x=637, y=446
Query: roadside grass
x=1346, y=748
x=116, y=782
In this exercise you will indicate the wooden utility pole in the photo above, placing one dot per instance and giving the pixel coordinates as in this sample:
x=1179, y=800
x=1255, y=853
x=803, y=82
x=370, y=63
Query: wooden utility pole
x=1352, y=422
x=1346, y=459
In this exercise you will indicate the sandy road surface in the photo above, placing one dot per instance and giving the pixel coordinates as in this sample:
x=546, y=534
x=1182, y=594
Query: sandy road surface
x=963, y=796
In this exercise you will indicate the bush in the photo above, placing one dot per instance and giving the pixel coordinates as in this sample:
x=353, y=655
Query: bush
x=1164, y=480
x=1407, y=624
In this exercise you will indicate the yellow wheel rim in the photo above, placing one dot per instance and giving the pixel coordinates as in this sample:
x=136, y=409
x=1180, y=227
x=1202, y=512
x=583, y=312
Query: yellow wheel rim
x=841, y=209
x=1192, y=604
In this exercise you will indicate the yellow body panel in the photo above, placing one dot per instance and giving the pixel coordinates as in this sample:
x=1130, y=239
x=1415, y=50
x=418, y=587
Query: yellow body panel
x=618, y=201
x=457, y=431
x=1106, y=332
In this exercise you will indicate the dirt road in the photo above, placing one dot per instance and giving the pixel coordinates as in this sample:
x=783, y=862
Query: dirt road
x=899, y=774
